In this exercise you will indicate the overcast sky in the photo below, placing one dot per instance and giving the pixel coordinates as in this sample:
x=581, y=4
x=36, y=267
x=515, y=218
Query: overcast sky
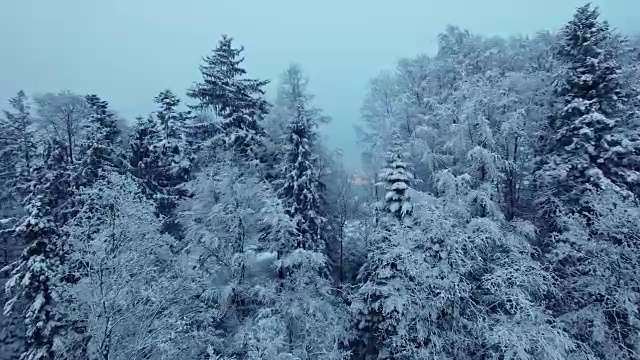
x=126, y=51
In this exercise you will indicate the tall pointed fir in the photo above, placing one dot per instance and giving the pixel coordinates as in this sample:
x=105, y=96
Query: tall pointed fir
x=303, y=319
x=301, y=188
x=145, y=133
x=17, y=158
x=589, y=171
x=18, y=137
x=172, y=122
x=171, y=160
x=101, y=146
x=585, y=145
x=34, y=277
x=200, y=129
x=395, y=178
x=161, y=158
x=381, y=305
x=236, y=100
x=17, y=155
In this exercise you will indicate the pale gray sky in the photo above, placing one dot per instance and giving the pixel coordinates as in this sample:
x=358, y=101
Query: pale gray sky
x=127, y=51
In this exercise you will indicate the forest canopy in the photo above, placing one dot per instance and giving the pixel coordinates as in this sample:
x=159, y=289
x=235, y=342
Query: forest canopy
x=497, y=216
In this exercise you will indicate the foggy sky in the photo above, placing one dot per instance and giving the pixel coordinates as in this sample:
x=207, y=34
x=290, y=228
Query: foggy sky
x=127, y=51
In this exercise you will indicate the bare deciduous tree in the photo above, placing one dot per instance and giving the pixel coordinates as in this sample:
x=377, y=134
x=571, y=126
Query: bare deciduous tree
x=62, y=115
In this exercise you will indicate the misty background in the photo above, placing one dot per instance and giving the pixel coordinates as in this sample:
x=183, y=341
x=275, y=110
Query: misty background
x=126, y=51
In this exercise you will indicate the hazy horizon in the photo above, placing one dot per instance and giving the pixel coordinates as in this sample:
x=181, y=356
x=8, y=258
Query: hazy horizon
x=127, y=52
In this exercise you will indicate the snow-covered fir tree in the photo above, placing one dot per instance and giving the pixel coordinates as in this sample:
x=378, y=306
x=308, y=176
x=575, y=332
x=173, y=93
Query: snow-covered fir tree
x=145, y=133
x=101, y=151
x=301, y=187
x=265, y=252
x=383, y=301
x=18, y=137
x=584, y=147
x=201, y=128
x=172, y=121
x=236, y=99
x=170, y=163
x=17, y=158
x=161, y=157
x=304, y=318
x=591, y=155
x=389, y=297
x=395, y=178
x=171, y=146
x=36, y=276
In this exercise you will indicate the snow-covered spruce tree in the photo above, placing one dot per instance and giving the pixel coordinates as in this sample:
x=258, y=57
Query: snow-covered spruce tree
x=161, y=158
x=383, y=302
x=124, y=267
x=145, y=133
x=396, y=178
x=100, y=148
x=589, y=150
x=386, y=305
x=600, y=286
x=172, y=122
x=18, y=141
x=584, y=146
x=301, y=188
x=169, y=165
x=36, y=276
x=17, y=158
x=236, y=100
x=201, y=128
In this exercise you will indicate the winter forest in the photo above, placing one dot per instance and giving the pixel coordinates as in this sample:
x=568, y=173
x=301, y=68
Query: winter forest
x=497, y=217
